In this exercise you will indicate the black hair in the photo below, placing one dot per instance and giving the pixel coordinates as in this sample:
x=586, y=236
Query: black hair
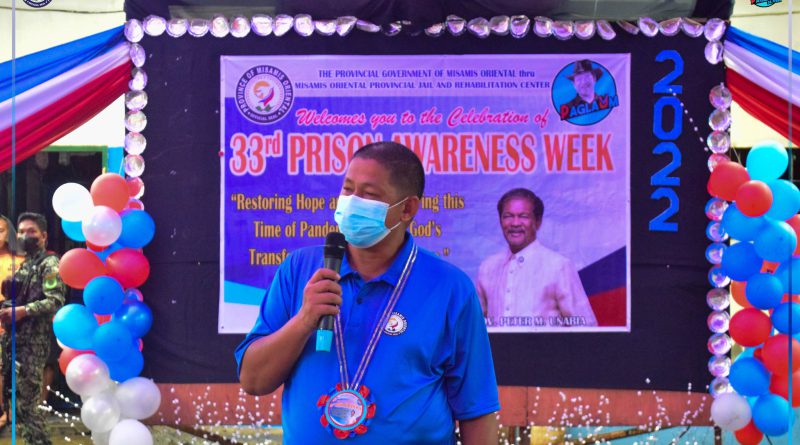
x=538, y=205
x=37, y=218
x=11, y=234
x=405, y=168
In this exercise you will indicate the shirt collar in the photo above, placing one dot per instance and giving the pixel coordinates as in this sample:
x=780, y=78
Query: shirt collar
x=392, y=274
x=524, y=254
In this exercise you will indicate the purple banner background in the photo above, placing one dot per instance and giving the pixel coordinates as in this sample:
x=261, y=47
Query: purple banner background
x=587, y=213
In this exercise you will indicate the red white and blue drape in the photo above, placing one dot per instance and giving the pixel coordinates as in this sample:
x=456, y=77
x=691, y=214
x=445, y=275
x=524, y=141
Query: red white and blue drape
x=58, y=89
x=759, y=77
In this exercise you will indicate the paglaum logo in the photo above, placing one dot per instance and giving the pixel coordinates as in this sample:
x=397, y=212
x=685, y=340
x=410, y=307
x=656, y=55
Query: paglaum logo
x=37, y=3
x=584, y=93
x=764, y=3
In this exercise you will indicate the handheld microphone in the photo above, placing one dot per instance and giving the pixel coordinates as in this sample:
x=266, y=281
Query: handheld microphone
x=335, y=246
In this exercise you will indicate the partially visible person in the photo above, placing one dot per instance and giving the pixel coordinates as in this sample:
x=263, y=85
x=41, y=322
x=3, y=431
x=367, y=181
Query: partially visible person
x=9, y=263
x=9, y=256
x=528, y=284
x=40, y=292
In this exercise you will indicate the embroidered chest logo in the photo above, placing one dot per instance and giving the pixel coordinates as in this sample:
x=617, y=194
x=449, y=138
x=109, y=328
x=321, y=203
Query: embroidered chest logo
x=396, y=325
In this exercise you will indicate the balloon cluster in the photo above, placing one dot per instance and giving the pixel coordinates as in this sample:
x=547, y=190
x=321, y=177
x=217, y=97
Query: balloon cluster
x=101, y=339
x=764, y=265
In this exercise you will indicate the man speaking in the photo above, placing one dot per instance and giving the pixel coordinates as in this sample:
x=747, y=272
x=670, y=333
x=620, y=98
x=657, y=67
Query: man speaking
x=410, y=354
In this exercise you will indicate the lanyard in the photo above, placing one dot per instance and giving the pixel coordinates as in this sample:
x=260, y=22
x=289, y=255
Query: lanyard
x=376, y=332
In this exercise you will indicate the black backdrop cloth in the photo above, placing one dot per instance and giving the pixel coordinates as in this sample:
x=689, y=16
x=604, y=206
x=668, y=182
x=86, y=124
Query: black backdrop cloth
x=666, y=348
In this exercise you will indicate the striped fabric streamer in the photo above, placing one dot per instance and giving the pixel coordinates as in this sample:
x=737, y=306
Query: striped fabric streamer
x=759, y=78
x=70, y=85
x=40, y=67
x=762, y=72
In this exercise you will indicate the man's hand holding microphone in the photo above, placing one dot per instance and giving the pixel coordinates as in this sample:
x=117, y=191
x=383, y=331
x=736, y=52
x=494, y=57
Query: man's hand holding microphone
x=322, y=296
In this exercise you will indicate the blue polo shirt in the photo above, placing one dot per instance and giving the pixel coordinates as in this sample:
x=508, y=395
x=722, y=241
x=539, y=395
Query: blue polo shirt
x=437, y=370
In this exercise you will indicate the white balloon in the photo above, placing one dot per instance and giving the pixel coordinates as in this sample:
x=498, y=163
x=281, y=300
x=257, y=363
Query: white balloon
x=130, y=432
x=138, y=398
x=731, y=412
x=100, y=413
x=72, y=201
x=87, y=375
x=100, y=438
x=110, y=387
x=101, y=226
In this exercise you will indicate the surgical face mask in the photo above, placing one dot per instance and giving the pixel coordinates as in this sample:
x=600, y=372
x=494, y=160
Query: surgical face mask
x=362, y=221
x=30, y=244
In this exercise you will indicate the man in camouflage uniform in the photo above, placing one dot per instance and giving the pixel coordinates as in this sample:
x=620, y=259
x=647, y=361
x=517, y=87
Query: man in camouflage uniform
x=40, y=292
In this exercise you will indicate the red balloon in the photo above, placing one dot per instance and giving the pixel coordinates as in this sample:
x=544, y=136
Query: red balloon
x=101, y=319
x=129, y=266
x=753, y=198
x=95, y=247
x=737, y=292
x=757, y=354
x=769, y=267
x=795, y=298
x=749, y=435
x=779, y=385
x=795, y=223
x=135, y=204
x=776, y=354
x=110, y=189
x=67, y=355
x=750, y=327
x=726, y=179
x=79, y=266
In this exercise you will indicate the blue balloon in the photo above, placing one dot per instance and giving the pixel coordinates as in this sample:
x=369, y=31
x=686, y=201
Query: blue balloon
x=741, y=261
x=108, y=251
x=772, y=415
x=764, y=291
x=789, y=275
x=749, y=377
x=103, y=295
x=136, y=316
x=138, y=229
x=767, y=161
x=74, y=326
x=112, y=341
x=128, y=367
x=776, y=242
x=785, y=200
x=781, y=316
x=739, y=226
x=73, y=229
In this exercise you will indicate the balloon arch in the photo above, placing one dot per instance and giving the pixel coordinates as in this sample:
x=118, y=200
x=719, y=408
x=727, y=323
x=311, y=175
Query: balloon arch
x=101, y=339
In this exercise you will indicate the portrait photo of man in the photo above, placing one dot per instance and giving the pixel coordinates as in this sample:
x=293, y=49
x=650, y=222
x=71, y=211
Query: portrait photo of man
x=527, y=285
x=584, y=77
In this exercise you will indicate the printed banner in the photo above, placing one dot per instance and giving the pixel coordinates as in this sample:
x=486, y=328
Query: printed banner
x=549, y=133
